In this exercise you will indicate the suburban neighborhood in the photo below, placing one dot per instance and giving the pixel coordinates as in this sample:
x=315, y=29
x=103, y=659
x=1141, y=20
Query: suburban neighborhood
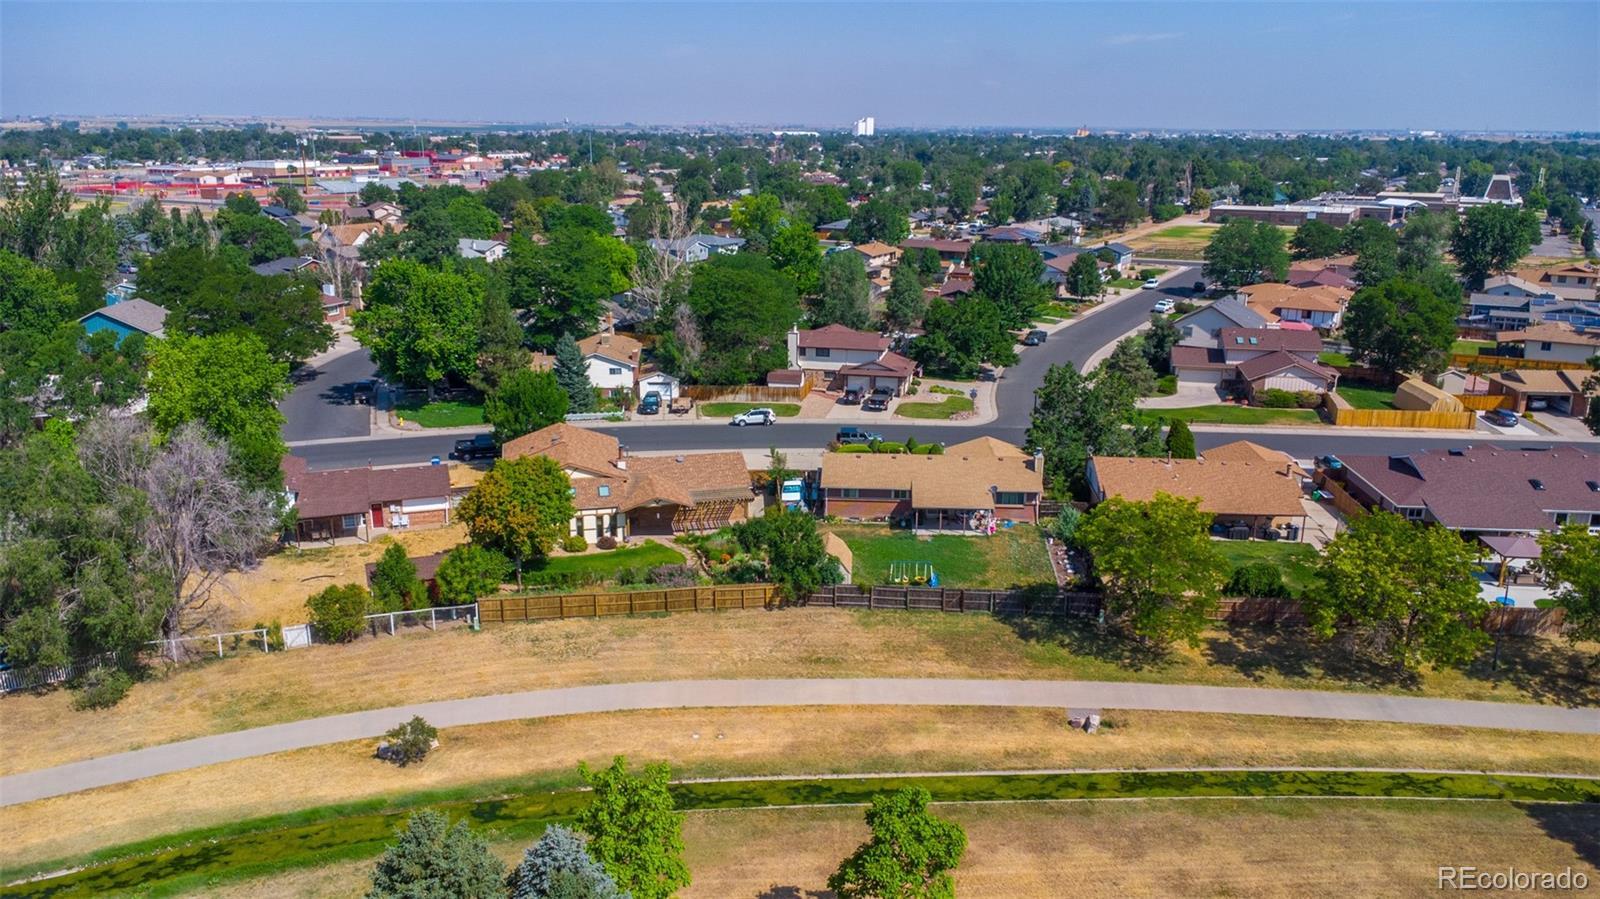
x=743, y=451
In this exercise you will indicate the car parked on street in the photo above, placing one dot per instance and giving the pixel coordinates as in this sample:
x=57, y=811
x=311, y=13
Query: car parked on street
x=1035, y=337
x=1163, y=306
x=480, y=447
x=848, y=436
x=762, y=416
x=1152, y=283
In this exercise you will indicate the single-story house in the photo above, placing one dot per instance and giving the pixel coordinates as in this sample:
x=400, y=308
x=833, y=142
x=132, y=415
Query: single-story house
x=1554, y=342
x=1321, y=307
x=288, y=265
x=979, y=479
x=360, y=502
x=1484, y=490
x=852, y=359
x=1013, y=234
x=949, y=250
x=1559, y=390
x=134, y=316
x=1333, y=271
x=625, y=496
x=1248, y=490
x=487, y=250
x=697, y=247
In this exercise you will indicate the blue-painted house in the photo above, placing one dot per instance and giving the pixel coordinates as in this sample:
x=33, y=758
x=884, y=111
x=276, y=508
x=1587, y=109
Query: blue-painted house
x=127, y=317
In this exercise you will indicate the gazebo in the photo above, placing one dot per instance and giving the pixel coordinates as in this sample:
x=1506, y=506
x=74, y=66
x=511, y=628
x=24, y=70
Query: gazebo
x=1509, y=548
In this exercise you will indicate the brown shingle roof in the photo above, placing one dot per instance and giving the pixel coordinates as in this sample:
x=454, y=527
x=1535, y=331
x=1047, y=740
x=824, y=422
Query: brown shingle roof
x=1223, y=487
x=1554, y=332
x=620, y=347
x=1272, y=297
x=1269, y=339
x=887, y=364
x=1272, y=363
x=1483, y=488
x=704, y=477
x=1542, y=380
x=1245, y=451
x=938, y=246
x=959, y=479
x=876, y=248
x=350, y=491
x=838, y=337
x=569, y=445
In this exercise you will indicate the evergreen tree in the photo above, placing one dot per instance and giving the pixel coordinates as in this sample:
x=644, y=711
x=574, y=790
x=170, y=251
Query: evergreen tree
x=1180, y=440
x=433, y=860
x=395, y=585
x=905, y=304
x=559, y=867
x=500, y=349
x=573, y=375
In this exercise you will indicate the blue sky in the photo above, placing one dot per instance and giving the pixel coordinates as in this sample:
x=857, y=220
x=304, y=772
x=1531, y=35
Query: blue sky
x=1445, y=65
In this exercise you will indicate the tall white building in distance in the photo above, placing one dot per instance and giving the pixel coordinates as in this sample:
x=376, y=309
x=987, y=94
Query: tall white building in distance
x=864, y=127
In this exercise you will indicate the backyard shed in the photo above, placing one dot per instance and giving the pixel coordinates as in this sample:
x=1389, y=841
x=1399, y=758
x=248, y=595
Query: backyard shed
x=1417, y=395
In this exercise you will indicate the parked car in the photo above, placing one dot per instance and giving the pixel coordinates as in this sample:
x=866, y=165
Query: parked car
x=1198, y=288
x=361, y=392
x=1152, y=283
x=1538, y=404
x=879, y=401
x=1163, y=306
x=479, y=447
x=1504, y=418
x=762, y=416
x=847, y=436
x=1035, y=337
x=852, y=397
x=651, y=404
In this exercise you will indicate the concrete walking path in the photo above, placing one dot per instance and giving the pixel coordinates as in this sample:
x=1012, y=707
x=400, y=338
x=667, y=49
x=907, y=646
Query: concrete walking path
x=211, y=750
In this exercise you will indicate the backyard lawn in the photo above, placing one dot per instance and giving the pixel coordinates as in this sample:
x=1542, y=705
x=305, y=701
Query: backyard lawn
x=729, y=410
x=606, y=562
x=1367, y=397
x=1470, y=347
x=1339, y=360
x=1227, y=414
x=944, y=409
x=1295, y=560
x=1012, y=557
x=442, y=413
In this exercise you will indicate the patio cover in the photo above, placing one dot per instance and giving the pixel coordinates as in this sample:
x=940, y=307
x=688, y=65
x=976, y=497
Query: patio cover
x=1513, y=546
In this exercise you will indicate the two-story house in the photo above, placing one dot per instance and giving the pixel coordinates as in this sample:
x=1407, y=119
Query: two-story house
x=1554, y=342
x=1251, y=360
x=852, y=359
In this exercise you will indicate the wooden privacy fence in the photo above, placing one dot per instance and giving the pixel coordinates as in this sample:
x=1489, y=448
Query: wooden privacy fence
x=492, y=609
x=1398, y=418
x=708, y=393
x=950, y=599
x=1486, y=362
x=1342, y=500
x=1483, y=402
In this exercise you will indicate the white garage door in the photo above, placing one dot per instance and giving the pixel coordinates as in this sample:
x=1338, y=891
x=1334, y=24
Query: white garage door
x=1211, y=376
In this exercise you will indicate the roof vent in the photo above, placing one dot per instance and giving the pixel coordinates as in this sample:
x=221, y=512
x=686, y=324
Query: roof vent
x=679, y=460
x=1456, y=452
x=1537, y=484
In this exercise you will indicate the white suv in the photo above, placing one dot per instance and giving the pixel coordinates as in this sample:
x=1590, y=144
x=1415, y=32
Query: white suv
x=762, y=416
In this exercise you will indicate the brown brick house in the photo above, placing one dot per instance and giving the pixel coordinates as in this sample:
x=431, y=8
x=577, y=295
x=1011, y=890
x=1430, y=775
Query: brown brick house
x=983, y=475
x=363, y=502
x=1241, y=484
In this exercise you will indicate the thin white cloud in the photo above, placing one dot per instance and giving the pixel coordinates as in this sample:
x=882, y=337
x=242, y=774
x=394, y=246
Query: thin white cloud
x=1143, y=37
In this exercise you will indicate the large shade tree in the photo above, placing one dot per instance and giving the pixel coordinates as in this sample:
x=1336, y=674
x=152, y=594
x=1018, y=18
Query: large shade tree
x=1161, y=573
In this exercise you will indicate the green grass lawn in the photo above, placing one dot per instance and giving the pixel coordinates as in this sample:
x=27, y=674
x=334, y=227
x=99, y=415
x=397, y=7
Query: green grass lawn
x=1012, y=557
x=1125, y=282
x=729, y=410
x=1295, y=560
x=1470, y=347
x=1365, y=397
x=442, y=413
x=1339, y=360
x=948, y=407
x=1234, y=415
x=1184, y=232
x=604, y=563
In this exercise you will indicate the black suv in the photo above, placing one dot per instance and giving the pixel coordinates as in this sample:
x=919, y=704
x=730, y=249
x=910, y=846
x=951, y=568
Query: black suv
x=479, y=447
x=1035, y=338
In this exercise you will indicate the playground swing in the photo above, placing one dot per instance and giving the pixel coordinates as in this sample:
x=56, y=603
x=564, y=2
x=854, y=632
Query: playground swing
x=913, y=574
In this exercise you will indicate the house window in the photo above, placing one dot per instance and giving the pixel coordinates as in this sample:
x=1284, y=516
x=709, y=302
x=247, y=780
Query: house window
x=1544, y=345
x=850, y=493
x=822, y=352
x=1561, y=279
x=1562, y=517
x=900, y=494
x=1414, y=513
x=1007, y=498
x=614, y=370
x=350, y=522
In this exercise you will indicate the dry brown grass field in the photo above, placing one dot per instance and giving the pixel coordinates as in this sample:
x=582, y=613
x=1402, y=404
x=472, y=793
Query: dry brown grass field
x=754, y=742
x=1260, y=849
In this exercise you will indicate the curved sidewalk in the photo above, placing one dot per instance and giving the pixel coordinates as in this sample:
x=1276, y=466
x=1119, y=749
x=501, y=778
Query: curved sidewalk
x=171, y=757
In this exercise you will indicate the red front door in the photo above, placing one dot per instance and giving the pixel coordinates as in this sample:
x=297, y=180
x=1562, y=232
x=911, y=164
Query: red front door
x=377, y=516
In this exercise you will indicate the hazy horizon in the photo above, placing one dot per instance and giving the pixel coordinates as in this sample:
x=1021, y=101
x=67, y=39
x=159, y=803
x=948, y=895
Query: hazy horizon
x=1502, y=67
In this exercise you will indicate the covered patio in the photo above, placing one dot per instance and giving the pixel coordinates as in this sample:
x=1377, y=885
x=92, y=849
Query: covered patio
x=1512, y=555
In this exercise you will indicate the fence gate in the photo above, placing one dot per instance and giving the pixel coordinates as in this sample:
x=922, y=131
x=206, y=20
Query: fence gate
x=296, y=636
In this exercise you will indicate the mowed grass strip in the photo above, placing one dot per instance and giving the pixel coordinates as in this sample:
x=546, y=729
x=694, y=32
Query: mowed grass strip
x=1013, y=557
x=1297, y=561
x=1228, y=414
x=604, y=563
x=949, y=406
x=729, y=410
x=248, y=848
x=703, y=743
x=442, y=413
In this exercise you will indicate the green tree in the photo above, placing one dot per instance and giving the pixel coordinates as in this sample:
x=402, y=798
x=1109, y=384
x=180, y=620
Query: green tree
x=564, y=283
x=1403, y=591
x=742, y=309
x=289, y=198
x=796, y=558
x=503, y=195
x=433, y=860
x=1161, y=573
x=336, y=612
x=925, y=261
x=1569, y=561
x=409, y=743
x=468, y=573
x=906, y=303
x=1586, y=240
x=634, y=830
x=1159, y=341
x=523, y=402
x=1180, y=440
x=1012, y=277
x=1200, y=199
x=1400, y=326
x=1314, y=240
x=1128, y=360
x=572, y=373
x=1075, y=417
x=32, y=300
x=208, y=292
x=880, y=219
x=500, y=349
x=1243, y=252
x=230, y=384
x=796, y=252
x=421, y=324
x=261, y=237
x=33, y=215
x=845, y=292
x=1491, y=239
x=909, y=856
x=1083, y=276
x=1421, y=243
x=961, y=336
x=757, y=218
x=559, y=866
x=395, y=585
x=520, y=508
x=470, y=218
x=376, y=192
x=1120, y=204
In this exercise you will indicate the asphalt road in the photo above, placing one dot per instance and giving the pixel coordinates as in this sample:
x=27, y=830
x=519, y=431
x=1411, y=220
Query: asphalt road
x=320, y=404
x=167, y=758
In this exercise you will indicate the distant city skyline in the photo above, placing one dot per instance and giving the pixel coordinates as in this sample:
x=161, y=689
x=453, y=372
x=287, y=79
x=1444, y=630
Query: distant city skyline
x=1447, y=66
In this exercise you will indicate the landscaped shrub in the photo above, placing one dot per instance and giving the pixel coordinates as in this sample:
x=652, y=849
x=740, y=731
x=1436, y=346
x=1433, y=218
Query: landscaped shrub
x=1148, y=273
x=274, y=634
x=560, y=580
x=1166, y=385
x=101, y=688
x=606, y=541
x=1273, y=398
x=336, y=612
x=1166, y=212
x=853, y=448
x=934, y=449
x=395, y=585
x=409, y=743
x=1262, y=579
x=1065, y=525
x=673, y=576
x=574, y=543
x=889, y=447
x=469, y=572
x=1308, y=399
x=912, y=444
x=1184, y=307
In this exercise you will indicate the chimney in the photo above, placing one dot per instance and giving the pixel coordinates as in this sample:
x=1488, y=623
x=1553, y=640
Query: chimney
x=622, y=457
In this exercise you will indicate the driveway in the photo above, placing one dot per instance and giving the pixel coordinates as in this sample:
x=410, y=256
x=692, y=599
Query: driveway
x=1189, y=394
x=165, y=759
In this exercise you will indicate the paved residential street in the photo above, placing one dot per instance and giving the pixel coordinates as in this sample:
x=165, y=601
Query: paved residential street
x=320, y=404
x=165, y=759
